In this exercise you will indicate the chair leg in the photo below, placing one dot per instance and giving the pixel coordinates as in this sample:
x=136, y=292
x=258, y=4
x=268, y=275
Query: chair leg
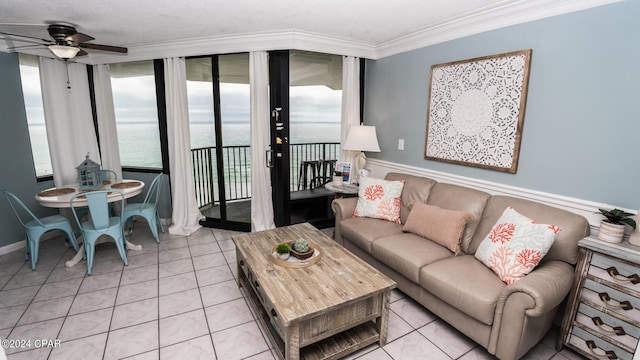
x=120, y=244
x=89, y=252
x=159, y=222
x=154, y=227
x=27, y=248
x=33, y=247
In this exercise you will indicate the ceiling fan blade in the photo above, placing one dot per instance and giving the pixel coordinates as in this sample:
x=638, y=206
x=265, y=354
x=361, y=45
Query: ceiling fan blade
x=79, y=38
x=26, y=46
x=82, y=53
x=26, y=38
x=118, y=49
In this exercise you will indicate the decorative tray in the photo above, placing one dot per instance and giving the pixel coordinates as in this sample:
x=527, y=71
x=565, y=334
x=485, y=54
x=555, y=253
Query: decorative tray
x=293, y=262
x=125, y=185
x=56, y=192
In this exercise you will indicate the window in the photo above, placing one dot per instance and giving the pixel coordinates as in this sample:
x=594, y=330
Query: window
x=134, y=100
x=315, y=95
x=30, y=77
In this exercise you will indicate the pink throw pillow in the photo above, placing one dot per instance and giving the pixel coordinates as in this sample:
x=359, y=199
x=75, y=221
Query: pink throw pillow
x=442, y=226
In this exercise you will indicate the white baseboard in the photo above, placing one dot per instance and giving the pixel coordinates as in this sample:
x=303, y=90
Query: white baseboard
x=588, y=209
x=12, y=247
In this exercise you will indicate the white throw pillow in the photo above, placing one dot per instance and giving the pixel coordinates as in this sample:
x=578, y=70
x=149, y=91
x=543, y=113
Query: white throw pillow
x=379, y=199
x=515, y=245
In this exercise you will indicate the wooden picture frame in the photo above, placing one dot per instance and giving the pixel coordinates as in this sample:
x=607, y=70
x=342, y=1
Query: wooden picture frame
x=476, y=111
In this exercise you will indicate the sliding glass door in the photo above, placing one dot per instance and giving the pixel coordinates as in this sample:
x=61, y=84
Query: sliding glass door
x=218, y=96
x=306, y=100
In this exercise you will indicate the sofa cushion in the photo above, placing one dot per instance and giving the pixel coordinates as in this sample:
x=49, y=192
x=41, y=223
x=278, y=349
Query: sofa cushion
x=407, y=253
x=515, y=245
x=363, y=231
x=466, y=284
x=379, y=199
x=416, y=189
x=454, y=197
x=565, y=248
x=443, y=226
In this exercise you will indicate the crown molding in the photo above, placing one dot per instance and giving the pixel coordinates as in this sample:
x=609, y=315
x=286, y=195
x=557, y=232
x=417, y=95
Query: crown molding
x=489, y=18
x=280, y=40
x=492, y=17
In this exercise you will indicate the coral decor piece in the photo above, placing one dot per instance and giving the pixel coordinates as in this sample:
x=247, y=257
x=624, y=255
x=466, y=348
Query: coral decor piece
x=515, y=245
x=379, y=199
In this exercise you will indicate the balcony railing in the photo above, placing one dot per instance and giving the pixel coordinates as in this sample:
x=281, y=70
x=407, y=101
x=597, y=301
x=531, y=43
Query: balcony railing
x=237, y=169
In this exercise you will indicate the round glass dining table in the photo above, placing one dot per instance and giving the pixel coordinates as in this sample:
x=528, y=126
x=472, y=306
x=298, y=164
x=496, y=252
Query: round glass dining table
x=60, y=197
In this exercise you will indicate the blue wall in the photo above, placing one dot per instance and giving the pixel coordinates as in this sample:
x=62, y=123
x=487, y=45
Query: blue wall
x=582, y=124
x=18, y=174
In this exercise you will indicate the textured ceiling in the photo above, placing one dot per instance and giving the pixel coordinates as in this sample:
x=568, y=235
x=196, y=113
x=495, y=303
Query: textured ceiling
x=144, y=23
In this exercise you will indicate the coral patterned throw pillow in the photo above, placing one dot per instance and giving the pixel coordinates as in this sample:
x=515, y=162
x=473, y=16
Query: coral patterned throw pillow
x=379, y=199
x=515, y=245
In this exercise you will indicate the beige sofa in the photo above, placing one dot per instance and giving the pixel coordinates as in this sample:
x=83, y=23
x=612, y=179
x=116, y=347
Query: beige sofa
x=507, y=320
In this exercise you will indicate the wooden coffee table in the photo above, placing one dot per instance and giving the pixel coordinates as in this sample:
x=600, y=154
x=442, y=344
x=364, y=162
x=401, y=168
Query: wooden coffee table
x=326, y=310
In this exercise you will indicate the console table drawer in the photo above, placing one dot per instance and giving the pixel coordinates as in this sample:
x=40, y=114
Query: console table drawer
x=613, y=301
x=609, y=328
x=596, y=347
x=617, y=272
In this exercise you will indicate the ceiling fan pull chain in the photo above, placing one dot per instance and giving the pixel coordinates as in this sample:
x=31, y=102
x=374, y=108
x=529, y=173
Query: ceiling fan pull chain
x=66, y=66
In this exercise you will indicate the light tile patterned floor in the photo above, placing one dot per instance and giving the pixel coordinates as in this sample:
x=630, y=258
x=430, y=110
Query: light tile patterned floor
x=179, y=300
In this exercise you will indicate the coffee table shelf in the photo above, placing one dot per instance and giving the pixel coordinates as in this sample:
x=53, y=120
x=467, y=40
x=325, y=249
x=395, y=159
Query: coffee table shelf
x=325, y=311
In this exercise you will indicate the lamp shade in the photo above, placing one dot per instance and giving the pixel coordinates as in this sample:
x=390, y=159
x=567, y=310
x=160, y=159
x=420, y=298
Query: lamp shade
x=63, y=51
x=362, y=138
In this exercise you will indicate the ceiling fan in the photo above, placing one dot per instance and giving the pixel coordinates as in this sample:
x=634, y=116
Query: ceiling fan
x=66, y=42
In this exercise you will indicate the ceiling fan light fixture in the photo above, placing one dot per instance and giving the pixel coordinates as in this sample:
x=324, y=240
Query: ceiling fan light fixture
x=63, y=51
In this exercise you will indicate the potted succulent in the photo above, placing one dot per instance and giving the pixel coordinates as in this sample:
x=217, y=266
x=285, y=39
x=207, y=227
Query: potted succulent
x=612, y=227
x=301, y=249
x=283, y=250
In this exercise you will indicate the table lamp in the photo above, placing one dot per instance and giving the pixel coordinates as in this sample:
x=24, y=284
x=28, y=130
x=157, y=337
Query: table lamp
x=361, y=138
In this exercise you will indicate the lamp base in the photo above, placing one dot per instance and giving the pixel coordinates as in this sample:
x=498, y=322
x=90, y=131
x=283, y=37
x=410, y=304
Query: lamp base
x=359, y=163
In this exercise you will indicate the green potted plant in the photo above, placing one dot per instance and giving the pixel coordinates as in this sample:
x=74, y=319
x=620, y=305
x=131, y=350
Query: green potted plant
x=612, y=226
x=301, y=249
x=283, y=251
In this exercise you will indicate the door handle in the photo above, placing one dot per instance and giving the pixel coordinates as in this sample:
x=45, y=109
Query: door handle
x=269, y=158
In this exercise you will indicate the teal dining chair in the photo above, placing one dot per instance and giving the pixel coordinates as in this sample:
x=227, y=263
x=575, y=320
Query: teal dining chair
x=100, y=223
x=147, y=209
x=35, y=227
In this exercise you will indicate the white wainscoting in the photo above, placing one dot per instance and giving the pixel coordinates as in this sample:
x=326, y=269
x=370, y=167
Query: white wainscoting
x=588, y=209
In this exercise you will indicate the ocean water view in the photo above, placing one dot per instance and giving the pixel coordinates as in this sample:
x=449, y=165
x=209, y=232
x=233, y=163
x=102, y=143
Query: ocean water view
x=140, y=145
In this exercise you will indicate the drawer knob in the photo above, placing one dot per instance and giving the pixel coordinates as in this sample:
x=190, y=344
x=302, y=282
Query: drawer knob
x=241, y=262
x=624, y=305
x=611, y=355
x=618, y=330
x=614, y=273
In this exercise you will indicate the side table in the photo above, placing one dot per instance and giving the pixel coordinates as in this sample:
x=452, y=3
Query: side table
x=344, y=190
x=602, y=319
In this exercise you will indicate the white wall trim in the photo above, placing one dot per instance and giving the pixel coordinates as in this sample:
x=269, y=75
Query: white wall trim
x=12, y=247
x=588, y=209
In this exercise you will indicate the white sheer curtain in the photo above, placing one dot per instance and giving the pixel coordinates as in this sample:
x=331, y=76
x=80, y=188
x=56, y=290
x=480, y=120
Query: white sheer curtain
x=109, y=149
x=261, y=202
x=67, y=112
x=186, y=216
x=350, y=102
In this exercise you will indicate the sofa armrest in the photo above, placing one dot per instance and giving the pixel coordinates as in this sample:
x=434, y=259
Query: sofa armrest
x=526, y=309
x=343, y=208
x=547, y=285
